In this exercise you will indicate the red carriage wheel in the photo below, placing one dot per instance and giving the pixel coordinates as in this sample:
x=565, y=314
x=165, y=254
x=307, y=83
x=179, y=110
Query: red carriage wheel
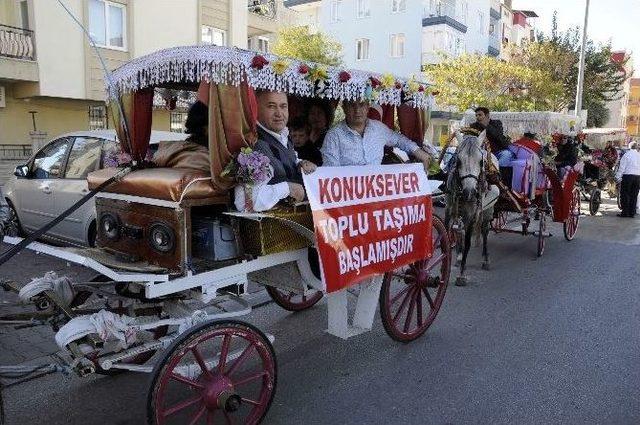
x=499, y=221
x=542, y=229
x=570, y=225
x=411, y=296
x=218, y=372
x=292, y=301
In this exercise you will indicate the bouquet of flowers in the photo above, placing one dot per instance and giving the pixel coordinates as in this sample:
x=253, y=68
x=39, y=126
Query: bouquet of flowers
x=249, y=168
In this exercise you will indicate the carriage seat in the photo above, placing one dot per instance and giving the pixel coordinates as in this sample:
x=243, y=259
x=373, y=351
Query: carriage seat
x=523, y=166
x=161, y=183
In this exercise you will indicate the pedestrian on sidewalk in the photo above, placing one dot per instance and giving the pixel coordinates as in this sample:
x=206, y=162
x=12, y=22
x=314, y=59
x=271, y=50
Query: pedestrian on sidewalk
x=629, y=177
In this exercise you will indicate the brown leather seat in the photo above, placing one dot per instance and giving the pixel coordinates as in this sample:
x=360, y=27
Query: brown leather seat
x=160, y=183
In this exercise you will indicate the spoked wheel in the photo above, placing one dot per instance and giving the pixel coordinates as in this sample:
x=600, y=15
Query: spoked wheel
x=292, y=301
x=570, y=225
x=542, y=229
x=499, y=221
x=217, y=373
x=594, y=201
x=411, y=296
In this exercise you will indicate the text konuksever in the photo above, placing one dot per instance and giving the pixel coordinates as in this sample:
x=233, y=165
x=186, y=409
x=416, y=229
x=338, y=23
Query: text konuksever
x=344, y=189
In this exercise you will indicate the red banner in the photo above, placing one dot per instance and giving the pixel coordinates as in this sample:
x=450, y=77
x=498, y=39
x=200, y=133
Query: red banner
x=369, y=220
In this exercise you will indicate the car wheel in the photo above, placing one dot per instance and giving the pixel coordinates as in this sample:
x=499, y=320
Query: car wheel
x=11, y=221
x=91, y=237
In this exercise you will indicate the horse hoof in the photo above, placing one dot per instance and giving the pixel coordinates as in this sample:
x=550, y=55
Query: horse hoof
x=485, y=266
x=461, y=281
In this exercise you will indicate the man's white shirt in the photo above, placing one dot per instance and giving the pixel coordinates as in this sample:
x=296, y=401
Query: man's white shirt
x=629, y=164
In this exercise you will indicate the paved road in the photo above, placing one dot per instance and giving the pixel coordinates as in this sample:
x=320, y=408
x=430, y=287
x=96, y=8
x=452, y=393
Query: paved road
x=534, y=341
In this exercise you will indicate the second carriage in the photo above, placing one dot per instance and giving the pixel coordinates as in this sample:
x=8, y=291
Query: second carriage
x=536, y=190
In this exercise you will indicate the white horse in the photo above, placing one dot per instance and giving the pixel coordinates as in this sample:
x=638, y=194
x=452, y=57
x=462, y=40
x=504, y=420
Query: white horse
x=470, y=198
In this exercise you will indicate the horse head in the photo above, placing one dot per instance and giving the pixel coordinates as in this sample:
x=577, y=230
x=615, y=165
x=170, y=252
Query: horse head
x=470, y=164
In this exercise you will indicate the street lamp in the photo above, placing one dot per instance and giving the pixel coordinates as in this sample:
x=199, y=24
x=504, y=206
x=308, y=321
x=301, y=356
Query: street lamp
x=582, y=60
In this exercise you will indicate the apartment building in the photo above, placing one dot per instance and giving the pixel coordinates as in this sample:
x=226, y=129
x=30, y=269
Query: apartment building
x=51, y=80
x=618, y=108
x=633, y=109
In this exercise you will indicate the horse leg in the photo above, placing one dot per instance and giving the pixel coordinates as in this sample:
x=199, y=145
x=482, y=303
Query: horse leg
x=462, y=279
x=485, y=251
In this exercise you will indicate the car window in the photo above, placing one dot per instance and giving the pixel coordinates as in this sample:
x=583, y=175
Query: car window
x=84, y=157
x=48, y=163
x=110, y=149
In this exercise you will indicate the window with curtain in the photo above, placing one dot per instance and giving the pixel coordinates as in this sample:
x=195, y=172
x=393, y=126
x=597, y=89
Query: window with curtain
x=362, y=49
x=215, y=36
x=107, y=24
x=363, y=8
x=398, y=6
x=397, y=45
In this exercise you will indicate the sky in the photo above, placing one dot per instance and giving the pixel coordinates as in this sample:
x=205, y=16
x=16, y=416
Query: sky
x=615, y=20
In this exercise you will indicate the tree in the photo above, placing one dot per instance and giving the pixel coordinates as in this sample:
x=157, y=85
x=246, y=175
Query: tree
x=300, y=43
x=478, y=80
x=559, y=53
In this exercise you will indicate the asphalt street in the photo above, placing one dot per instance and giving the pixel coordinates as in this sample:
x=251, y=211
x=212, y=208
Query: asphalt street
x=554, y=340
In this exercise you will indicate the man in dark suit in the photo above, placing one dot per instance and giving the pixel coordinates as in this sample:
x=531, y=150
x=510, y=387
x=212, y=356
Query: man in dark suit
x=498, y=142
x=273, y=141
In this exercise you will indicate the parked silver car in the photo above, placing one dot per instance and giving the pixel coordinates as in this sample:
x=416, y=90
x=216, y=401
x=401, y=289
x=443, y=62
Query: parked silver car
x=55, y=178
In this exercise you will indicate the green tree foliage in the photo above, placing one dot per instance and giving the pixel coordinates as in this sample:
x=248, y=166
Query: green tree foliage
x=474, y=80
x=299, y=43
x=559, y=53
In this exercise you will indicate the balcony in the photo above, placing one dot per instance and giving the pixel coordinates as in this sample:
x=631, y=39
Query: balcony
x=444, y=14
x=17, y=54
x=16, y=43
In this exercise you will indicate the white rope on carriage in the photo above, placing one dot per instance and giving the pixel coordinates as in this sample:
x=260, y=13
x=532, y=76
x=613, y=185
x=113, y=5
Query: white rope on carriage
x=227, y=65
x=61, y=286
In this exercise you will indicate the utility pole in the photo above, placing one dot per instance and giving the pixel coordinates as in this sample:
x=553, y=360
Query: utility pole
x=583, y=53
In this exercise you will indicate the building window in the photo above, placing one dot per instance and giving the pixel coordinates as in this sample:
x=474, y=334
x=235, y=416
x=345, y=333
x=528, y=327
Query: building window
x=97, y=117
x=362, y=49
x=176, y=121
x=24, y=14
x=336, y=5
x=259, y=44
x=215, y=36
x=363, y=9
x=107, y=24
x=397, y=45
x=398, y=6
x=480, y=23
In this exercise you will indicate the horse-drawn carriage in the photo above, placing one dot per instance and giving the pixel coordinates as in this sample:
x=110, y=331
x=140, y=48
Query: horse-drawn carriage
x=174, y=259
x=530, y=189
x=538, y=187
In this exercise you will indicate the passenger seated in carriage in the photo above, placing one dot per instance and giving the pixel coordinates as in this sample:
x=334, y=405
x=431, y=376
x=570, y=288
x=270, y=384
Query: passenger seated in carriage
x=567, y=156
x=275, y=144
x=299, y=131
x=359, y=140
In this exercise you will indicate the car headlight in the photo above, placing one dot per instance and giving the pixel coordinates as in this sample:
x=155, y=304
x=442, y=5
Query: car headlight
x=162, y=237
x=110, y=226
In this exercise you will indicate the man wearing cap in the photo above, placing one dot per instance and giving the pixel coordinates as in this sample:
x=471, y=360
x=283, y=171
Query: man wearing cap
x=359, y=140
x=629, y=177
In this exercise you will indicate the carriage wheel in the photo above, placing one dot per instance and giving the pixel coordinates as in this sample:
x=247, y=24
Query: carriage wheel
x=499, y=221
x=542, y=229
x=570, y=225
x=594, y=201
x=292, y=301
x=411, y=296
x=218, y=372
